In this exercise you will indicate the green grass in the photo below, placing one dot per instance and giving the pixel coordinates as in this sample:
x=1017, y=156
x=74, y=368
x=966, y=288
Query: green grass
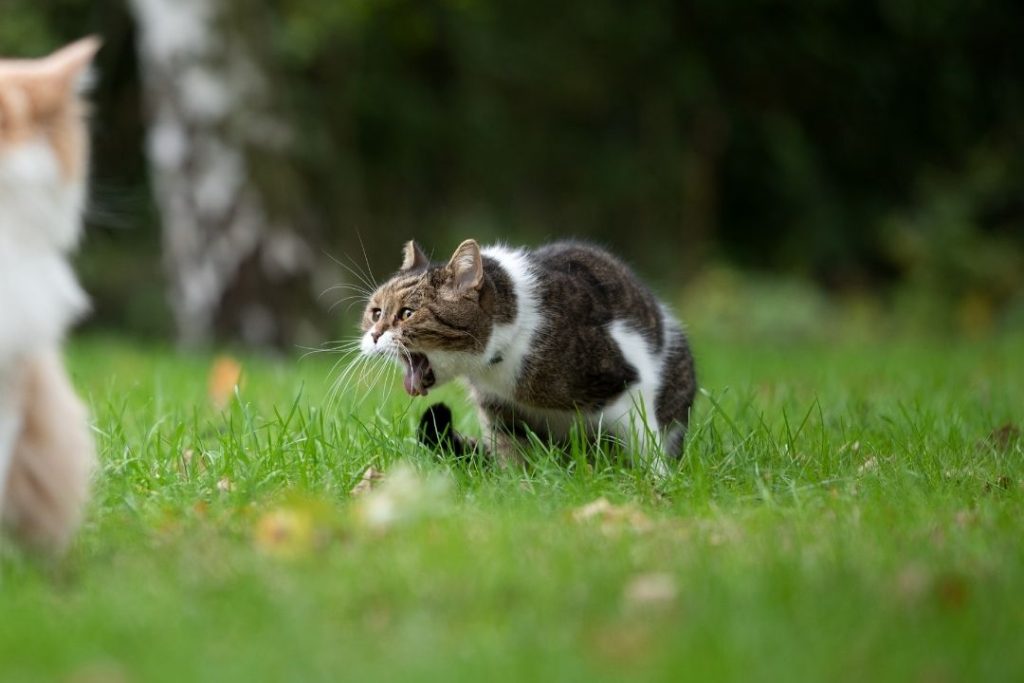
x=843, y=512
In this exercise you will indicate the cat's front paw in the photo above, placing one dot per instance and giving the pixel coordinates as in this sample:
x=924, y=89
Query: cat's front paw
x=437, y=430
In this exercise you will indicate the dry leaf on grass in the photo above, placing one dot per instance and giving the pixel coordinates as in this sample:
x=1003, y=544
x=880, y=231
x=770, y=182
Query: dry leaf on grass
x=285, y=532
x=651, y=589
x=952, y=591
x=225, y=485
x=369, y=481
x=404, y=496
x=868, y=466
x=1005, y=437
x=189, y=463
x=225, y=376
x=911, y=582
x=613, y=518
x=1002, y=482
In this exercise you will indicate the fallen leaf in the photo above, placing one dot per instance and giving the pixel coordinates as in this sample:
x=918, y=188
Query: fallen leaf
x=613, y=518
x=225, y=377
x=594, y=508
x=869, y=465
x=404, y=496
x=965, y=518
x=369, y=481
x=952, y=591
x=651, y=589
x=225, y=485
x=912, y=582
x=1003, y=482
x=189, y=463
x=1005, y=436
x=285, y=532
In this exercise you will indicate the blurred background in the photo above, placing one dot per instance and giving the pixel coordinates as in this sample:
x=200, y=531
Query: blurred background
x=789, y=168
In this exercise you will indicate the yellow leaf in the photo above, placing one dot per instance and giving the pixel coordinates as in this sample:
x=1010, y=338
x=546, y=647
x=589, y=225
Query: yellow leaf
x=405, y=496
x=285, y=532
x=369, y=481
x=652, y=589
x=225, y=377
x=613, y=518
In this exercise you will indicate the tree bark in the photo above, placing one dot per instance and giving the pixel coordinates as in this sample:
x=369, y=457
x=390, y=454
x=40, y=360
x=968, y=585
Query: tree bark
x=230, y=202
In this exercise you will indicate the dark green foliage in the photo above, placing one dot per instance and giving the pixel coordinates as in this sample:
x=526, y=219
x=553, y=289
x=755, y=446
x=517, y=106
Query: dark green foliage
x=802, y=136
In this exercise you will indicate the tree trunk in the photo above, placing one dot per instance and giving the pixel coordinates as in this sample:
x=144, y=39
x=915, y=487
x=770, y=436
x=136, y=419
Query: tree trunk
x=230, y=202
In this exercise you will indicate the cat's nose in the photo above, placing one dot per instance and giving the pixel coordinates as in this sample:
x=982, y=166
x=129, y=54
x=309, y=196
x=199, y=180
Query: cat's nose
x=376, y=335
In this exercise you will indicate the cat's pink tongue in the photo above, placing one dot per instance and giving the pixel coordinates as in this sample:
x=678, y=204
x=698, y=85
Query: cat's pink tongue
x=413, y=378
x=417, y=369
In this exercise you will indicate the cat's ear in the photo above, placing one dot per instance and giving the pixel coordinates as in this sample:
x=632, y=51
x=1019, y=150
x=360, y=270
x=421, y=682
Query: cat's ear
x=55, y=80
x=413, y=257
x=71, y=61
x=467, y=267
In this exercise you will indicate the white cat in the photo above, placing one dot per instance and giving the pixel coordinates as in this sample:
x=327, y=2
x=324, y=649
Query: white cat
x=46, y=450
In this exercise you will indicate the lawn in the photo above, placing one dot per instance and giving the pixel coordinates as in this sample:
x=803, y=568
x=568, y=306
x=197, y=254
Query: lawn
x=845, y=511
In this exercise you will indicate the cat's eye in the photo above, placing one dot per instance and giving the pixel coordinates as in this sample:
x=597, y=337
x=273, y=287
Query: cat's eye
x=375, y=315
x=405, y=314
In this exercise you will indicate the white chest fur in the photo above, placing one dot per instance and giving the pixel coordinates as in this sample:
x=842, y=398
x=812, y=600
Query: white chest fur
x=39, y=224
x=498, y=368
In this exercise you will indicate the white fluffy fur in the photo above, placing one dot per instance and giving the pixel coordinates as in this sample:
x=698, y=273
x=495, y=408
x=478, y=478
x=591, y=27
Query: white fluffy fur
x=385, y=345
x=39, y=295
x=632, y=415
x=39, y=224
x=514, y=340
x=10, y=426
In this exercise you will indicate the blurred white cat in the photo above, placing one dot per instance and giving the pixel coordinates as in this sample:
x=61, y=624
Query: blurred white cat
x=46, y=449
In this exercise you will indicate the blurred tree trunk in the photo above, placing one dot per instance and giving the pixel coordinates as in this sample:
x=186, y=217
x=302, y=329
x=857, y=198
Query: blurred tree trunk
x=232, y=206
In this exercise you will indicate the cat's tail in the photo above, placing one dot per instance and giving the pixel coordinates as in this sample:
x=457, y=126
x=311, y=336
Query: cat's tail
x=437, y=430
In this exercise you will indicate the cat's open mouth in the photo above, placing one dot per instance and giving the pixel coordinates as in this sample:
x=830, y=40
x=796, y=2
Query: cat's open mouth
x=418, y=374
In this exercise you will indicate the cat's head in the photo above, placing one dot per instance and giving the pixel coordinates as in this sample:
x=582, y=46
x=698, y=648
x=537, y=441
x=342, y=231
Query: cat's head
x=44, y=146
x=433, y=318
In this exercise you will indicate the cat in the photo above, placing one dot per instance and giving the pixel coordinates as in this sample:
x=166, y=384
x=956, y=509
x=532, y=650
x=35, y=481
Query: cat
x=545, y=338
x=46, y=448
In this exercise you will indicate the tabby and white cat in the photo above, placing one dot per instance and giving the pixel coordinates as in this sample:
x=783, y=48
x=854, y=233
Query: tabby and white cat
x=46, y=450
x=544, y=338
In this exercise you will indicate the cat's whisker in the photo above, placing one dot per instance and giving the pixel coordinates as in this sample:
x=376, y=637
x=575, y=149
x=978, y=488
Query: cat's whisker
x=341, y=381
x=352, y=299
x=355, y=273
x=359, y=291
x=366, y=259
x=381, y=364
x=348, y=367
x=355, y=371
x=347, y=348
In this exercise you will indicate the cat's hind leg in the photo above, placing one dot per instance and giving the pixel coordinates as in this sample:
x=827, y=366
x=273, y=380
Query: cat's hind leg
x=11, y=414
x=676, y=393
x=52, y=459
